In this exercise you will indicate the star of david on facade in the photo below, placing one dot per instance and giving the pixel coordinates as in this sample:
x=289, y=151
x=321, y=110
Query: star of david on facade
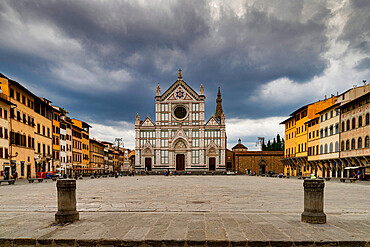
x=179, y=94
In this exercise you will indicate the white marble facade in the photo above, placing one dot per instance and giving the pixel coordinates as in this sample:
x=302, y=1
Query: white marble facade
x=180, y=138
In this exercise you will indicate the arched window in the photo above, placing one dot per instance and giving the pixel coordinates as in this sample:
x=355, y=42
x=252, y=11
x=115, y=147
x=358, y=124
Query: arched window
x=347, y=145
x=353, y=144
x=342, y=146
x=353, y=123
x=367, y=120
x=331, y=147
x=359, y=121
x=321, y=149
x=348, y=125
x=367, y=142
x=359, y=142
x=343, y=125
x=326, y=148
x=336, y=146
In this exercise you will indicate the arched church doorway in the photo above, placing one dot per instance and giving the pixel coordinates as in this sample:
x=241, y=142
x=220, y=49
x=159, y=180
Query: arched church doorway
x=212, y=164
x=148, y=164
x=180, y=162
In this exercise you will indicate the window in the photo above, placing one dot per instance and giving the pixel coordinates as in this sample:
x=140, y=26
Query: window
x=336, y=128
x=43, y=130
x=326, y=148
x=359, y=142
x=1, y=132
x=12, y=93
x=331, y=147
x=38, y=128
x=343, y=125
x=347, y=145
x=326, y=131
x=331, y=114
x=367, y=119
x=195, y=157
x=195, y=107
x=321, y=149
x=353, y=144
x=322, y=118
x=5, y=114
x=336, y=146
x=367, y=142
x=321, y=133
x=348, y=125
x=331, y=130
x=326, y=116
x=359, y=121
x=353, y=123
x=23, y=99
x=18, y=96
x=19, y=115
x=164, y=156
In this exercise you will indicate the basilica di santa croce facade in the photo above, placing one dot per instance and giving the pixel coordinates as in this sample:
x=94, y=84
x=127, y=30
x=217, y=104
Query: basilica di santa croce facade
x=180, y=139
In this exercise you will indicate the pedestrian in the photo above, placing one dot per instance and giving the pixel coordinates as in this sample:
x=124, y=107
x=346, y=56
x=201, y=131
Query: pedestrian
x=358, y=174
x=16, y=175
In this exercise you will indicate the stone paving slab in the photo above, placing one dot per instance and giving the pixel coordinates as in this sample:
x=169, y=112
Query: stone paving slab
x=184, y=211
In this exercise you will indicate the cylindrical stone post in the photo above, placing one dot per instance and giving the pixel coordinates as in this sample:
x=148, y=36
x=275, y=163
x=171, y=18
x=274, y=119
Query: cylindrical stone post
x=313, y=201
x=66, y=201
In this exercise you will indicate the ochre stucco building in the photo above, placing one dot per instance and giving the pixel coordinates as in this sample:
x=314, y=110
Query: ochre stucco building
x=244, y=161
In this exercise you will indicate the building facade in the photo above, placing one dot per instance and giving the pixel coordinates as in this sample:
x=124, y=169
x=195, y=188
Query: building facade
x=96, y=156
x=338, y=141
x=241, y=160
x=5, y=105
x=180, y=139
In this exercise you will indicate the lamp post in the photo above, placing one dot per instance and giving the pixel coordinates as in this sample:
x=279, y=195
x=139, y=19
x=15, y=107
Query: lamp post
x=118, y=140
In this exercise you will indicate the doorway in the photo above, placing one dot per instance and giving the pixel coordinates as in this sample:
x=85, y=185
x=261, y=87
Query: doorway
x=180, y=162
x=229, y=166
x=148, y=164
x=212, y=164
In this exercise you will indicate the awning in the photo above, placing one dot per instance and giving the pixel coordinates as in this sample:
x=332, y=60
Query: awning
x=352, y=167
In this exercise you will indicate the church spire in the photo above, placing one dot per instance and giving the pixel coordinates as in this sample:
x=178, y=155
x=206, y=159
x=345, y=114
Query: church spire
x=219, y=110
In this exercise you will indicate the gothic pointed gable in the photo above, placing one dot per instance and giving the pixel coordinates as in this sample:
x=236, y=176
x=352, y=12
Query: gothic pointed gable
x=148, y=149
x=212, y=149
x=188, y=92
x=212, y=122
x=180, y=134
x=147, y=122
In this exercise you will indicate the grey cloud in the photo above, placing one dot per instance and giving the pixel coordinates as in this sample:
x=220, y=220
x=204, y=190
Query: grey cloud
x=240, y=53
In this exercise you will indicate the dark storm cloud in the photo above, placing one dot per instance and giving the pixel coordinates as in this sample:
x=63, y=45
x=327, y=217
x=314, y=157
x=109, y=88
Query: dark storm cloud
x=148, y=43
x=357, y=28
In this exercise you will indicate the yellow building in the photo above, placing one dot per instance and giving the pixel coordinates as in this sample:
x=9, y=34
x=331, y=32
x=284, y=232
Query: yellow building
x=5, y=105
x=83, y=129
x=96, y=156
x=43, y=135
x=313, y=143
x=296, y=163
x=290, y=145
x=22, y=122
x=56, y=138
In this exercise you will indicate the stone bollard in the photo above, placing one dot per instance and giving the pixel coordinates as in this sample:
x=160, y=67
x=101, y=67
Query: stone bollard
x=66, y=201
x=313, y=201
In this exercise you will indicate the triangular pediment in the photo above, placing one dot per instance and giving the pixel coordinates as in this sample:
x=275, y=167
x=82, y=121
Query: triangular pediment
x=179, y=90
x=212, y=149
x=180, y=133
x=212, y=122
x=148, y=122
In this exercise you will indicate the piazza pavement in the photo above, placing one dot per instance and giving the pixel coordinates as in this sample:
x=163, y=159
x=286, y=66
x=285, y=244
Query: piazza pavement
x=185, y=211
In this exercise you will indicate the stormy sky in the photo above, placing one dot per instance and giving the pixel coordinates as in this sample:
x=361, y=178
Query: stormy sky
x=102, y=60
